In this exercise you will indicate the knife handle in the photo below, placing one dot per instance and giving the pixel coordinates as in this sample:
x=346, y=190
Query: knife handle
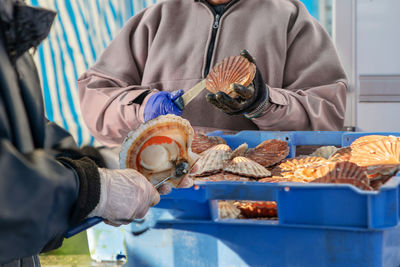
x=179, y=103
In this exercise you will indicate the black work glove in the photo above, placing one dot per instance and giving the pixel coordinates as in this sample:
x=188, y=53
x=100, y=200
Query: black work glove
x=249, y=98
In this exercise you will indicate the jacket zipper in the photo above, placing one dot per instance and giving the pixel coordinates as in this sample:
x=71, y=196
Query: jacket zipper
x=215, y=28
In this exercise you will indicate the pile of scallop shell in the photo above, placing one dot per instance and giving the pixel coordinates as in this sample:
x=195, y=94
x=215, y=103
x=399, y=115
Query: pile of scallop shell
x=368, y=163
x=220, y=163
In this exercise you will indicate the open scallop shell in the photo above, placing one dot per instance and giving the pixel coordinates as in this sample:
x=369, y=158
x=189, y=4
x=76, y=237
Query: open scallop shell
x=236, y=69
x=268, y=152
x=203, y=142
x=227, y=210
x=314, y=171
x=257, y=209
x=212, y=161
x=246, y=167
x=324, y=152
x=155, y=147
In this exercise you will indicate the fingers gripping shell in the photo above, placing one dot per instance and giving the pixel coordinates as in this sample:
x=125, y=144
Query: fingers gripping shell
x=235, y=69
x=155, y=147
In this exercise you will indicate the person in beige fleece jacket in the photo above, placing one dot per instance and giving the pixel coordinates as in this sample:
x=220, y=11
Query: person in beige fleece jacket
x=300, y=83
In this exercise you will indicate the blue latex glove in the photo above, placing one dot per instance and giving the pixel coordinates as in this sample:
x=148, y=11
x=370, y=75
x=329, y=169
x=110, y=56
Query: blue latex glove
x=162, y=103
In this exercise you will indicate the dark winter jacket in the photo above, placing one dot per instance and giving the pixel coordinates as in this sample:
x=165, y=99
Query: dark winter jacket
x=47, y=184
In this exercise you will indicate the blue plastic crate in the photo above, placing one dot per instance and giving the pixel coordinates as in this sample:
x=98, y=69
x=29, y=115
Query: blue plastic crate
x=319, y=224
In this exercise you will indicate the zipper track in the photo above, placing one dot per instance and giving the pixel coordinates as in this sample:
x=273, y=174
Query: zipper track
x=215, y=28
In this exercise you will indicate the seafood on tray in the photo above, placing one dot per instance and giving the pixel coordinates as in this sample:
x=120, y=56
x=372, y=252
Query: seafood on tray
x=203, y=142
x=157, y=147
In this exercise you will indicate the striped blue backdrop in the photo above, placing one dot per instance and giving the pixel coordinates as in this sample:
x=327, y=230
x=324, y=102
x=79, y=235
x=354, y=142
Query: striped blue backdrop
x=81, y=31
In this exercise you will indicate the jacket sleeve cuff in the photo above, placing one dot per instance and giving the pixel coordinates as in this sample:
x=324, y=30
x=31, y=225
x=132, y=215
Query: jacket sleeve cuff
x=89, y=186
x=86, y=151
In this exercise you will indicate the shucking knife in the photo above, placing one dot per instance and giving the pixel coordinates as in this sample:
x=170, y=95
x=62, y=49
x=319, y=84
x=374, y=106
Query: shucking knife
x=189, y=95
x=181, y=169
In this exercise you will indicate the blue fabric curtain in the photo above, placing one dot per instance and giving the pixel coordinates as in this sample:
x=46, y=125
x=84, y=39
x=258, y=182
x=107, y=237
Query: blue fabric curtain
x=81, y=31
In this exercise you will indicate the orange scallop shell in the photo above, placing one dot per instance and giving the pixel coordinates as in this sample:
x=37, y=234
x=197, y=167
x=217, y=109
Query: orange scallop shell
x=257, y=209
x=293, y=164
x=235, y=69
x=314, y=170
x=383, y=150
x=268, y=152
x=203, y=142
x=369, y=139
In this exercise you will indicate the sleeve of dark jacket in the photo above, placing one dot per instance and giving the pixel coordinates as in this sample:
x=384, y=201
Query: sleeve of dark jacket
x=313, y=96
x=44, y=189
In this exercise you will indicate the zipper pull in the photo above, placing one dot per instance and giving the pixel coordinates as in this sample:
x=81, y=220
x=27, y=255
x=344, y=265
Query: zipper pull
x=216, y=22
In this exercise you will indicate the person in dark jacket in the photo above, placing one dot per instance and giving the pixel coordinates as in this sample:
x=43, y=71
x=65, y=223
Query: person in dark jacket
x=47, y=183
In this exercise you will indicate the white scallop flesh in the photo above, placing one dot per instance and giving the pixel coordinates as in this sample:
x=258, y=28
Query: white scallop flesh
x=158, y=158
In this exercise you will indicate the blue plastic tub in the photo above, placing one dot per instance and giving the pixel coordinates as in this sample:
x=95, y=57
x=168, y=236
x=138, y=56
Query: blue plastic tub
x=319, y=224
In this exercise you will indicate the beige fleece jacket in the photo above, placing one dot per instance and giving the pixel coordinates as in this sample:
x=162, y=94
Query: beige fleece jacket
x=165, y=46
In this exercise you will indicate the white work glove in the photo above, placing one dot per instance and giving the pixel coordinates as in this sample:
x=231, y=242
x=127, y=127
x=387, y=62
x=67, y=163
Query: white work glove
x=111, y=156
x=124, y=196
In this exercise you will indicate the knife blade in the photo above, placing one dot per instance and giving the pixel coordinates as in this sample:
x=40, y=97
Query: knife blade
x=181, y=169
x=189, y=95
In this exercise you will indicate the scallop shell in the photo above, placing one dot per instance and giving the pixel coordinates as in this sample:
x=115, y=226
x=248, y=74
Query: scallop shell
x=155, y=147
x=346, y=169
x=376, y=184
x=369, y=139
x=212, y=161
x=343, y=154
x=275, y=179
x=240, y=151
x=377, y=172
x=227, y=210
x=293, y=164
x=246, y=167
x=385, y=150
x=235, y=69
x=348, y=173
x=268, y=152
x=219, y=177
x=203, y=142
x=324, y=152
x=257, y=209
x=314, y=171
